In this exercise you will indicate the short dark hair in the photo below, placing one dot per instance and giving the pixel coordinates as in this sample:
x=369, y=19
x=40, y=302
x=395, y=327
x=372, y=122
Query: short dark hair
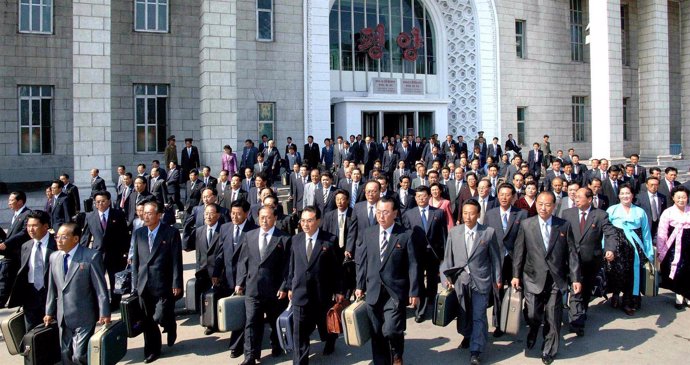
x=104, y=193
x=128, y=174
x=386, y=200
x=669, y=169
x=19, y=195
x=215, y=206
x=423, y=189
x=654, y=169
x=652, y=178
x=65, y=175
x=241, y=203
x=73, y=227
x=344, y=192
x=143, y=179
x=507, y=186
x=313, y=209
x=59, y=183
x=42, y=216
x=473, y=203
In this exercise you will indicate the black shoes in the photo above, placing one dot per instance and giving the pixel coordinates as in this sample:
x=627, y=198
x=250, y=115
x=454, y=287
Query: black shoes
x=498, y=333
x=474, y=359
x=151, y=358
x=531, y=341
x=330, y=347
x=235, y=354
x=276, y=351
x=465, y=344
x=419, y=318
x=208, y=331
x=579, y=331
x=248, y=362
x=546, y=359
x=679, y=306
x=172, y=337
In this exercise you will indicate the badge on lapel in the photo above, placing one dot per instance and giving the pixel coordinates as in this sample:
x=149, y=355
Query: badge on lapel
x=324, y=248
x=280, y=246
x=517, y=221
x=81, y=266
x=162, y=243
x=562, y=234
x=594, y=225
x=397, y=245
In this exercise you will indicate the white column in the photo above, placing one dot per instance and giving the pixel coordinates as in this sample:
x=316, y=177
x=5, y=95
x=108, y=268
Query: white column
x=654, y=78
x=217, y=79
x=91, y=112
x=606, y=79
x=317, y=74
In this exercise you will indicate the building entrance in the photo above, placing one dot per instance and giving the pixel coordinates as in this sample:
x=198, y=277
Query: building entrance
x=385, y=123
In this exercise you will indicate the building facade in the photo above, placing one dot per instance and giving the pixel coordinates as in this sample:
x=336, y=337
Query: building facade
x=101, y=83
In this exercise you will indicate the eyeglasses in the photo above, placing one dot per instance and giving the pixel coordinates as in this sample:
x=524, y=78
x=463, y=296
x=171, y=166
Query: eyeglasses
x=62, y=238
x=310, y=220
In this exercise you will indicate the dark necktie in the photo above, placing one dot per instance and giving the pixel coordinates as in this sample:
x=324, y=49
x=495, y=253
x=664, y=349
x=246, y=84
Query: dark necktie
x=209, y=237
x=582, y=222
x=384, y=245
x=310, y=248
x=103, y=222
x=371, y=216
x=38, y=267
x=236, y=239
x=65, y=264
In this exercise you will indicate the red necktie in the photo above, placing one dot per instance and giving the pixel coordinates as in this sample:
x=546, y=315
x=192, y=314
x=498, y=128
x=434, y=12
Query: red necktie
x=582, y=222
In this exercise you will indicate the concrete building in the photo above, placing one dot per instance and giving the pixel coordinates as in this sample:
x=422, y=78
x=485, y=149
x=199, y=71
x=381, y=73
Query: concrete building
x=100, y=83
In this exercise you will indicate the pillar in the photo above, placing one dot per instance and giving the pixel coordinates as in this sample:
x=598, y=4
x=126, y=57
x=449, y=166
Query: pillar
x=91, y=111
x=317, y=74
x=218, y=78
x=685, y=75
x=606, y=79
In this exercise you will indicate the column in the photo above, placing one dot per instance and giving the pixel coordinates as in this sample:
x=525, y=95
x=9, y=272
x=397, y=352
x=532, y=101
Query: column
x=218, y=78
x=317, y=76
x=685, y=75
x=91, y=90
x=653, y=74
x=606, y=79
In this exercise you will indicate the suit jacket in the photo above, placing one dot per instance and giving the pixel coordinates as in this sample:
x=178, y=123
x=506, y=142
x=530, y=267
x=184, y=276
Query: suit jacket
x=598, y=229
x=510, y=146
x=481, y=267
x=369, y=155
x=409, y=202
x=663, y=190
x=506, y=238
x=435, y=234
x=158, y=271
x=642, y=201
x=429, y=160
x=329, y=204
x=633, y=181
x=389, y=162
x=532, y=262
x=62, y=212
x=263, y=278
x=80, y=297
x=97, y=184
x=407, y=156
x=607, y=189
x=17, y=235
x=248, y=158
x=194, y=220
x=206, y=253
x=124, y=193
x=212, y=181
x=20, y=290
x=189, y=161
x=315, y=280
x=194, y=193
x=360, y=190
x=225, y=200
x=535, y=162
x=134, y=199
x=159, y=190
x=360, y=221
x=297, y=193
x=603, y=202
x=495, y=151
x=173, y=181
x=312, y=154
x=73, y=193
x=548, y=177
x=329, y=223
x=397, y=273
x=113, y=243
x=247, y=184
x=229, y=253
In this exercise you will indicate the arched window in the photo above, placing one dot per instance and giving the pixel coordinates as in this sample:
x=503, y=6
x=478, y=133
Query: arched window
x=382, y=35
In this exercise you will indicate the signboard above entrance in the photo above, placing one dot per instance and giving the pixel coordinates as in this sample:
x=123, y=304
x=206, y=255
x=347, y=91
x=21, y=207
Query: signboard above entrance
x=412, y=87
x=389, y=86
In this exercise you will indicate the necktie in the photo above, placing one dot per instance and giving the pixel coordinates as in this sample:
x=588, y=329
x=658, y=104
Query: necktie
x=470, y=242
x=403, y=196
x=125, y=194
x=615, y=188
x=38, y=267
x=264, y=245
x=310, y=248
x=325, y=195
x=582, y=222
x=596, y=201
x=151, y=237
x=234, y=196
x=14, y=217
x=341, y=230
x=103, y=222
x=209, y=237
x=206, y=181
x=545, y=235
x=505, y=221
x=424, y=220
x=655, y=209
x=384, y=245
x=353, y=198
x=65, y=264
x=482, y=212
x=236, y=238
x=371, y=215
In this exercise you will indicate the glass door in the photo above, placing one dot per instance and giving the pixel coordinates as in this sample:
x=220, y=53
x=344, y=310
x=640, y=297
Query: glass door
x=370, y=124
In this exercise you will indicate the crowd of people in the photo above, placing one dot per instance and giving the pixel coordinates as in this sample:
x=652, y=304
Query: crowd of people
x=385, y=221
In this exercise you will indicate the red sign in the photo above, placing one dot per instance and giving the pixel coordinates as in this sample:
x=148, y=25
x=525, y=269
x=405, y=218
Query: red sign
x=410, y=43
x=372, y=41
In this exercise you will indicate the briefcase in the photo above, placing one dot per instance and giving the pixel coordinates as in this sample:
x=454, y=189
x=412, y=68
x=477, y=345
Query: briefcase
x=192, y=296
x=13, y=331
x=284, y=328
x=649, y=280
x=356, y=324
x=231, y=313
x=284, y=179
x=511, y=311
x=446, y=308
x=333, y=322
x=109, y=344
x=209, y=308
x=42, y=345
x=132, y=315
x=123, y=281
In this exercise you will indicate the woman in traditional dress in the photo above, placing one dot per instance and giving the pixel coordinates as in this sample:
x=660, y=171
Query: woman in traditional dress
x=673, y=245
x=633, y=249
x=437, y=201
x=528, y=202
x=228, y=161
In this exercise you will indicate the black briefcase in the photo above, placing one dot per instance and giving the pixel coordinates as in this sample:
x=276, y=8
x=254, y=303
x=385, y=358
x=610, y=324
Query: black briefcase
x=446, y=308
x=209, y=307
x=123, y=281
x=42, y=345
x=132, y=315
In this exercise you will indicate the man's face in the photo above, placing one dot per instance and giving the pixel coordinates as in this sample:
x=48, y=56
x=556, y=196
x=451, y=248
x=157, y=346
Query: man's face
x=557, y=186
x=356, y=175
x=656, y=174
x=315, y=177
x=235, y=182
x=154, y=173
x=505, y=198
x=559, y=154
x=671, y=175
x=64, y=180
x=517, y=161
x=556, y=166
x=475, y=165
x=385, y=214
x=259, y=182
x=483, y=189
x=604, y=165
x=459, y=173
x=595, y=186
x=493, y=172
x=120, y=171
x=372, y=193
x=139, y=185
x=303, y=171
x=65, y=239
x=206, y=172
x=568, y=169
x=634, y=160
x=102, y=203
x=207, y=197
x=266, y=219
x=13, y=203
x=49, y=193
x=140, y=212
x=193, y=176
x=341, y=201
x=127, y=180
x=470, y=215
x=433, y=178
x=93, y=173
x=581, y=199
x=629, y=170
x=35, y=229
x=653, y=186
x=576, y=160
x=384, y=184
x=238, y=215
x=141, y=169
x=422, y=198
x=309, y=223
x=545, y=206
x=572, y=191
x=518, y=181
x=223, y=177
x=446, y=174
x=405, y=184
x=171, y=165
x=613, y=175
x=211, y=215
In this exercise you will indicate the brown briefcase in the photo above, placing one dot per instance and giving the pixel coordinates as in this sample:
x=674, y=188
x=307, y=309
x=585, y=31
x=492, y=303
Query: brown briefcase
x=334, y=315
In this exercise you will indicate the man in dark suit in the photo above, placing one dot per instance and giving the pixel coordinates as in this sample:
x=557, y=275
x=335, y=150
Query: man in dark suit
x=512, y=145
x=31, y=286
x=208, y=180
x=324, y=196
x=227, y=259
x=196, y=218
x=551, y=174
x=63, y=206
x=262, y=274
x=97, y=184
x=387, y=273
x=494, y=150
x=485, y=200
x=461, y=146
x=472, y=261
x=233, y=192
x=363, y=216
x=338, y=222
x=124, y=191
x=505, y=220
x=579, y=169
x=445, y=146
x=628, y=177
x=369, y=154
x=406, y=195
x=429, y=230
x=652, y=202
x=639, y=171
x=189, y=158
x=158, y=187
x=431, y=157
x=668, y=183
x=72, y=192
x=543, y=258
x=389, y=161
x=173, y=183
x=139, y=195
x=290, y=144
x=590, y=228
x=108, y=228
x=314, y=279
x=609, y=187
x=297, y=188
x=311, y=153
x=194, y=188
x=249, y=153
x=157, y=277
x=208, y=247
x=406, y=153
x=599, y=201
x=535, y=158
x=77, y=297
x=355, y=187
x=11, y=244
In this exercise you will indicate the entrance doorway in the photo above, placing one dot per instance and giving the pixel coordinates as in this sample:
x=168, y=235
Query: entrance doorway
x=384, y=123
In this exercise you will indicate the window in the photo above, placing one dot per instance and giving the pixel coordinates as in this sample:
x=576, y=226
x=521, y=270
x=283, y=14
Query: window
x=625, y=46
x=35, y=119
x=366, y=35
x=151, y=117
x=578, y=111
x=520, y=38
x=266, y=119
x=36, y=16
x=264, y=20
x=151, y=15
x=577, y=41
x=626, y=136
x=521, y=125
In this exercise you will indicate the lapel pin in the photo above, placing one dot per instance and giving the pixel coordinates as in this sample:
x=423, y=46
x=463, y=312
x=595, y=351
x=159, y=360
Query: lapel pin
x=397, y=245
x=81, y=266
x=562, y=235
x=593, y=225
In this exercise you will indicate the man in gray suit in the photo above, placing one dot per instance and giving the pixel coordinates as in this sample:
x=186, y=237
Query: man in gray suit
x=473, y=266
x=77, y=294
x=544, y=257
